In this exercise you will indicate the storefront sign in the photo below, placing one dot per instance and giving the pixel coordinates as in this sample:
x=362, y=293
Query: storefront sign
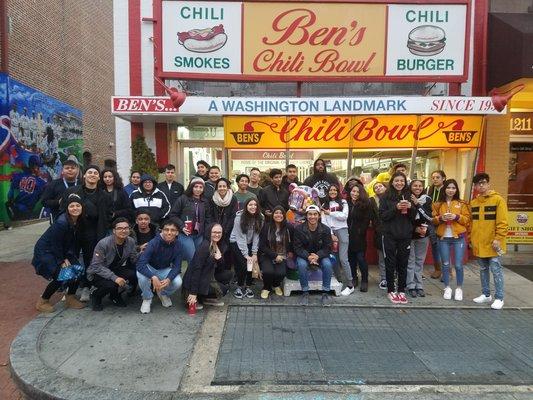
x=312, y=41
x=202, y=37
x=520, y=227
x=271, y=155
x=197, y=105
x=426, y=39
x=388, y=131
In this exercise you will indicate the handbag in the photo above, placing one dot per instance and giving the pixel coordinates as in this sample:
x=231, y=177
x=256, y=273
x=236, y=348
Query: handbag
x=70, y=273
x=256, y=271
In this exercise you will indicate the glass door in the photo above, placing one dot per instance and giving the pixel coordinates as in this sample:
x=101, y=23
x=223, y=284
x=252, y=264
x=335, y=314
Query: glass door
x=191, y=152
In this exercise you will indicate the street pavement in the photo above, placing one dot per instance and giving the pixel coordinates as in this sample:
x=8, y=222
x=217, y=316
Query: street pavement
x=121, y=354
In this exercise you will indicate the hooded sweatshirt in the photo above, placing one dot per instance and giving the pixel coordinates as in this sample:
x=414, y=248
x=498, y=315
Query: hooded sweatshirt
x=155, y=203
x=489, y=222
x=321, y=181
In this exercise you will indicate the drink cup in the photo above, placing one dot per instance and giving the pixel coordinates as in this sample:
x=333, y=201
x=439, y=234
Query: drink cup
x=192, y=309
x=249, y=265
x=335, y=247
x=188, y=225
x=404, y=203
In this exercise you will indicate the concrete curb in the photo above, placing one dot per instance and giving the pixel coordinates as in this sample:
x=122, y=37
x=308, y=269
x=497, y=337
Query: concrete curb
x=37, y=381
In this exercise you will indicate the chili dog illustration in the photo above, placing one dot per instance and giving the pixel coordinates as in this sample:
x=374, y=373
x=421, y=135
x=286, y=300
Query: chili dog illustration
x=203, y=40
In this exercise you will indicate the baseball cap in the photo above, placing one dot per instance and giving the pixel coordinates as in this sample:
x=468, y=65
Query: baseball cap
x=312, y=207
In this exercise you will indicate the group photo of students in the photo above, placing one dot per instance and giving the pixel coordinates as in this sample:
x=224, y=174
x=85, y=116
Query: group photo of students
x=108, y=242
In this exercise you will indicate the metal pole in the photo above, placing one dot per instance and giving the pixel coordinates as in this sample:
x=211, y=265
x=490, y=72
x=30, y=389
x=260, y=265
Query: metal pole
x=415, y=149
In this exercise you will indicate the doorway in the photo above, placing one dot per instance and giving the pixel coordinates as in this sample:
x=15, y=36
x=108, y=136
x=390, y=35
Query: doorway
x=189, y=153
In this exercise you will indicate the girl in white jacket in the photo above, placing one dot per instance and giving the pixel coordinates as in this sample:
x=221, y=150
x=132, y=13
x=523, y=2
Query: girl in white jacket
x=334, y=216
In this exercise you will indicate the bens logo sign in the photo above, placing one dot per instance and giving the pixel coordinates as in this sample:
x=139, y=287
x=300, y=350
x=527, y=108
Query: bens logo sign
x=312, y=41
x=387, y=131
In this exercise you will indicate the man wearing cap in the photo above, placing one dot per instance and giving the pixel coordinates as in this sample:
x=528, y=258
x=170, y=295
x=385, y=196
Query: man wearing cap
x=150, y=199
x=312, y=246
x=55, y=189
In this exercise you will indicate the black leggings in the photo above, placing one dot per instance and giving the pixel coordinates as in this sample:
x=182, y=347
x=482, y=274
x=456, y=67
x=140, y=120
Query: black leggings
x=396, y=252
x=273, y=273
x=108, y=287
x=243, y=275
x=54, y=285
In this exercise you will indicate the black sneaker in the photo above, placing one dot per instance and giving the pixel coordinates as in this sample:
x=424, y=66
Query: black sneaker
x=420, y=293
x=238, y=293
x=326, y=300
x=413, y=293
x=364, y=286
x=96, y=303
x=119, y=301
x=355, y=281
x=304, y=301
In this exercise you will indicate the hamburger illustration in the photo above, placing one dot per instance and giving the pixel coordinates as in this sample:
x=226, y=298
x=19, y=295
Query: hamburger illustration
x=426, y=40
x=203, y=40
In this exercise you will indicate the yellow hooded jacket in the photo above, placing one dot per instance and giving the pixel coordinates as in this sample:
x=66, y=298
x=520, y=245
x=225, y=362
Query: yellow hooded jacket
x=489, y=222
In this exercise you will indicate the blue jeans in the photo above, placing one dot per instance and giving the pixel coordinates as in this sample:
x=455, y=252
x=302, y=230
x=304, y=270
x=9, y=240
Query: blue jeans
x=145, y=283
x=491, y=264
x=445, y=246
x=189, y=244
x=325, y=266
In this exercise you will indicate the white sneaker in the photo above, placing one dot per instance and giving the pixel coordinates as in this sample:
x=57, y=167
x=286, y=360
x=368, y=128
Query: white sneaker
x=497, y=305
x=447, y=293
x=483, y=299
x=146, y=306
x=347, y=291
x=165, y=300
x=458, y=294
x=85, y=294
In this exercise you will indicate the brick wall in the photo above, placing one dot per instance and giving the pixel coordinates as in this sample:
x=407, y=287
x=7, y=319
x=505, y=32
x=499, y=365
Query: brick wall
x=64, y=48
x=497, y=155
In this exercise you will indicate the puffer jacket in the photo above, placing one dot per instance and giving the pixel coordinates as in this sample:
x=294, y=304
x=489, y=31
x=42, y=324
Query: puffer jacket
x=459, y=224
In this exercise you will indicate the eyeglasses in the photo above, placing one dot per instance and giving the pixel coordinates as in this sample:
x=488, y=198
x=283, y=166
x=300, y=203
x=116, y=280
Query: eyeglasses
x=122, y=228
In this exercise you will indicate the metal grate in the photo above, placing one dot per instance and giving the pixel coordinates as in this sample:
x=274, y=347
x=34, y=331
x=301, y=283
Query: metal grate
x=315, y=345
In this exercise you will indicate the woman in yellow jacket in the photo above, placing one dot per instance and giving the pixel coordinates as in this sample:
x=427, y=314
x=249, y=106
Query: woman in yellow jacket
x=451, y=216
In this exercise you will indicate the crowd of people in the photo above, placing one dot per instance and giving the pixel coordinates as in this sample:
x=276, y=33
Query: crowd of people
x=107, y=239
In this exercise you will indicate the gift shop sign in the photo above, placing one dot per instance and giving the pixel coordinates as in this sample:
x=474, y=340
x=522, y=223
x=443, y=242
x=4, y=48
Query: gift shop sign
x=312, y=41
x=385, y=131
x=520, y=229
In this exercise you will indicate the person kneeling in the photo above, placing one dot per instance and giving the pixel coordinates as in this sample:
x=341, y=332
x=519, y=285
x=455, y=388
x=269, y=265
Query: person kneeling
x=206, y=279
x=159, y=266
x=112, y=267
x=312, y=245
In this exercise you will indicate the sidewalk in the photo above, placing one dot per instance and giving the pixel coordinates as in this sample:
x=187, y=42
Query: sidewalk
x=121, y=354
x=19, y=289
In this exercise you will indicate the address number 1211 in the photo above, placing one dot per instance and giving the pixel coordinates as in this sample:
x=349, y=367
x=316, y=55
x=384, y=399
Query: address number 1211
x=520, y=124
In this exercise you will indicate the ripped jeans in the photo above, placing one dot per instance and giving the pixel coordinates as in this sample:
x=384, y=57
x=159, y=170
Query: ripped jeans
x=486, y=266
x=446, y=244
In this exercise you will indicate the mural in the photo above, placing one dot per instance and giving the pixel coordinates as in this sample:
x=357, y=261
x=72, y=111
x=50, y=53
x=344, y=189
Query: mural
x=37, y=134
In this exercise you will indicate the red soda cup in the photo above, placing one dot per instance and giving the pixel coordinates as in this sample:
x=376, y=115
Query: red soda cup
x=335, y=247
x=192, y=309
x=188, y=225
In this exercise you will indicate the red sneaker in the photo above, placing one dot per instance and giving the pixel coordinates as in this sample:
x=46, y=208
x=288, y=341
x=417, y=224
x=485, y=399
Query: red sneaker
x=401, y=298
x=393, y=297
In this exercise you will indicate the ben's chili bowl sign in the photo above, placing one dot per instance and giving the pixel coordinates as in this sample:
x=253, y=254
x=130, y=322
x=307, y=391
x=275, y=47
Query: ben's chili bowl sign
x=314, y=39
x=389, y=131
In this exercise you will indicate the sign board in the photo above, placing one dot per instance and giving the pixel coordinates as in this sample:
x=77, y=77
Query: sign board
x=521, y=123
x=388, y=131
x=202, y=37
x=312, y=41
x=198, y=105
x=520, y=227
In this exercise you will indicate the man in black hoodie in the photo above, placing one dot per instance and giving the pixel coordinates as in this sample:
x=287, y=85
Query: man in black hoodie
x=291, y=176
x=150, y=199
x=320, y=179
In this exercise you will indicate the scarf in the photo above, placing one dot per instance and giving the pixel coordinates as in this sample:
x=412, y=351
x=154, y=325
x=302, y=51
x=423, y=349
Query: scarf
x=222, y=202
